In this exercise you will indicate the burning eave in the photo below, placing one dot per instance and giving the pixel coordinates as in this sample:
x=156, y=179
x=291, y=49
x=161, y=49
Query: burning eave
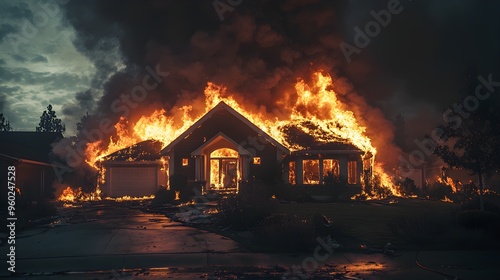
x=148, y=150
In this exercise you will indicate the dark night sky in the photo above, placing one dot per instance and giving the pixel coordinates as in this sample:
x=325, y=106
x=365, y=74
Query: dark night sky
x=89, y=52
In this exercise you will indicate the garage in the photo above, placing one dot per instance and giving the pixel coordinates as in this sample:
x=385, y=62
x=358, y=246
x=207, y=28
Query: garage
x=135, y=171
x=133, y=181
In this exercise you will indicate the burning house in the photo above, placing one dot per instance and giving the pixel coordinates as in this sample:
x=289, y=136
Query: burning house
x=214, y=143
x=221, y=150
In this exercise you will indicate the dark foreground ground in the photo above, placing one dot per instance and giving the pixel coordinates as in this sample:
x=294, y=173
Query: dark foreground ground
x=111, y=240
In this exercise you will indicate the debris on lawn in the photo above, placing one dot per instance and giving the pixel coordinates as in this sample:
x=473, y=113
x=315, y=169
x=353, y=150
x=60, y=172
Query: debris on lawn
x=199, y=214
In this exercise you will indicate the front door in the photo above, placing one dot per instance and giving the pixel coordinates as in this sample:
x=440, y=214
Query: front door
x=223, y=173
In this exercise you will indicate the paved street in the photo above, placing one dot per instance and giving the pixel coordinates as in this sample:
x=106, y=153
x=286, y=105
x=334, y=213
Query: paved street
x=113, y=240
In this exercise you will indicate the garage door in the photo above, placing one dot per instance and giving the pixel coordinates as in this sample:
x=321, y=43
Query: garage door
x=133, y=181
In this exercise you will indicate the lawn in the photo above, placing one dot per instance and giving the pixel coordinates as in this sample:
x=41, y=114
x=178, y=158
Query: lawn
x=366, y=222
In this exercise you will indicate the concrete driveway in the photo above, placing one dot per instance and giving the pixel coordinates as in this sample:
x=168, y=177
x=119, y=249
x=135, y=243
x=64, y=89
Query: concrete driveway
x=112, y=235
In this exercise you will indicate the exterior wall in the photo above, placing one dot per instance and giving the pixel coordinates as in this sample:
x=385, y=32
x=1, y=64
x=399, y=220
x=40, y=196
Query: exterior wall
x=34, y=181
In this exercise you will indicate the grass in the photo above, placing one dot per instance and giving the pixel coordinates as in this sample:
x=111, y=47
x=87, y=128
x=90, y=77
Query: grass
x=367, y=222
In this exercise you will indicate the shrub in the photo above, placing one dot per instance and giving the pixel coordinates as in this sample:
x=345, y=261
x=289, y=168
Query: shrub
x=286, y=233
x=375, y=187
x=163, y=196
x=292, y=193
x=437, y=190
x=407, y=187
x=179, y=182
x=245, y=210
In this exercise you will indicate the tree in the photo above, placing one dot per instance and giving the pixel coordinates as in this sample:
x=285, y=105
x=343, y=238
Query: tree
x=84, y=120
x=472, y=140
x=4, y=124
x=49, y=122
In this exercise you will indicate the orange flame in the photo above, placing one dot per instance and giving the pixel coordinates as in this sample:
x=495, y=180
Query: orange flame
x=316, y=103
x=449, y=182
x=68, y=195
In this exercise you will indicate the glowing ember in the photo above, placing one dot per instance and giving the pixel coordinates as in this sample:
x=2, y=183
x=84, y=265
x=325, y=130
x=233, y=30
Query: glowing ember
x=130, y=198
x=446, y=199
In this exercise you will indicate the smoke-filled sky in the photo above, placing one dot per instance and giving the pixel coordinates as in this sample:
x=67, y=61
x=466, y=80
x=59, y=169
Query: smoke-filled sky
x=80, y=56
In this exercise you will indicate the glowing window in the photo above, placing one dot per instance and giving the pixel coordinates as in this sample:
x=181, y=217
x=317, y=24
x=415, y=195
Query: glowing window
x=291, y=173
x=351, y=173
x=185, y=162
x=310, y=169
x=224, y=153
x=256, y=160
x=331, y=166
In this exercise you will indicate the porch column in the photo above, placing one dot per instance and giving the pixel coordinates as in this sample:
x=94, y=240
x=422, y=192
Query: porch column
x=299, y=167
x=343, y=167
x=359, y=170
x=244, y=160
x=198, y=168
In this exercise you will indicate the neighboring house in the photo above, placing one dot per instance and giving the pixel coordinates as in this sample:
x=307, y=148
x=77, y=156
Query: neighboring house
x=31, y=154
x=221, y=150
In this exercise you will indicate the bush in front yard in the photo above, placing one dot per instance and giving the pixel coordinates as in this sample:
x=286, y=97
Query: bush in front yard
x=286, y=233
x=163, y=196
x=245, y=210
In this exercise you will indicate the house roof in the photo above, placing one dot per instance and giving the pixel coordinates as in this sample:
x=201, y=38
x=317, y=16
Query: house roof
x=148, y=150
x=224, y=106
x=28, y=145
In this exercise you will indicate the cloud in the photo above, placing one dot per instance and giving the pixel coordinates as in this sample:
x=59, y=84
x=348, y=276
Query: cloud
x=39, y=58
x=9, y=90
x=15, y=10
x=19, y=58
x=6, y=29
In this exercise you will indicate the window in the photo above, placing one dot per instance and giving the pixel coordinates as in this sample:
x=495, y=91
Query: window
x=256, y=160
x=291, y=173
x=310, y=168
x=224, y=153
x=351, y=173
x=331, y=166
x=185, y=162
